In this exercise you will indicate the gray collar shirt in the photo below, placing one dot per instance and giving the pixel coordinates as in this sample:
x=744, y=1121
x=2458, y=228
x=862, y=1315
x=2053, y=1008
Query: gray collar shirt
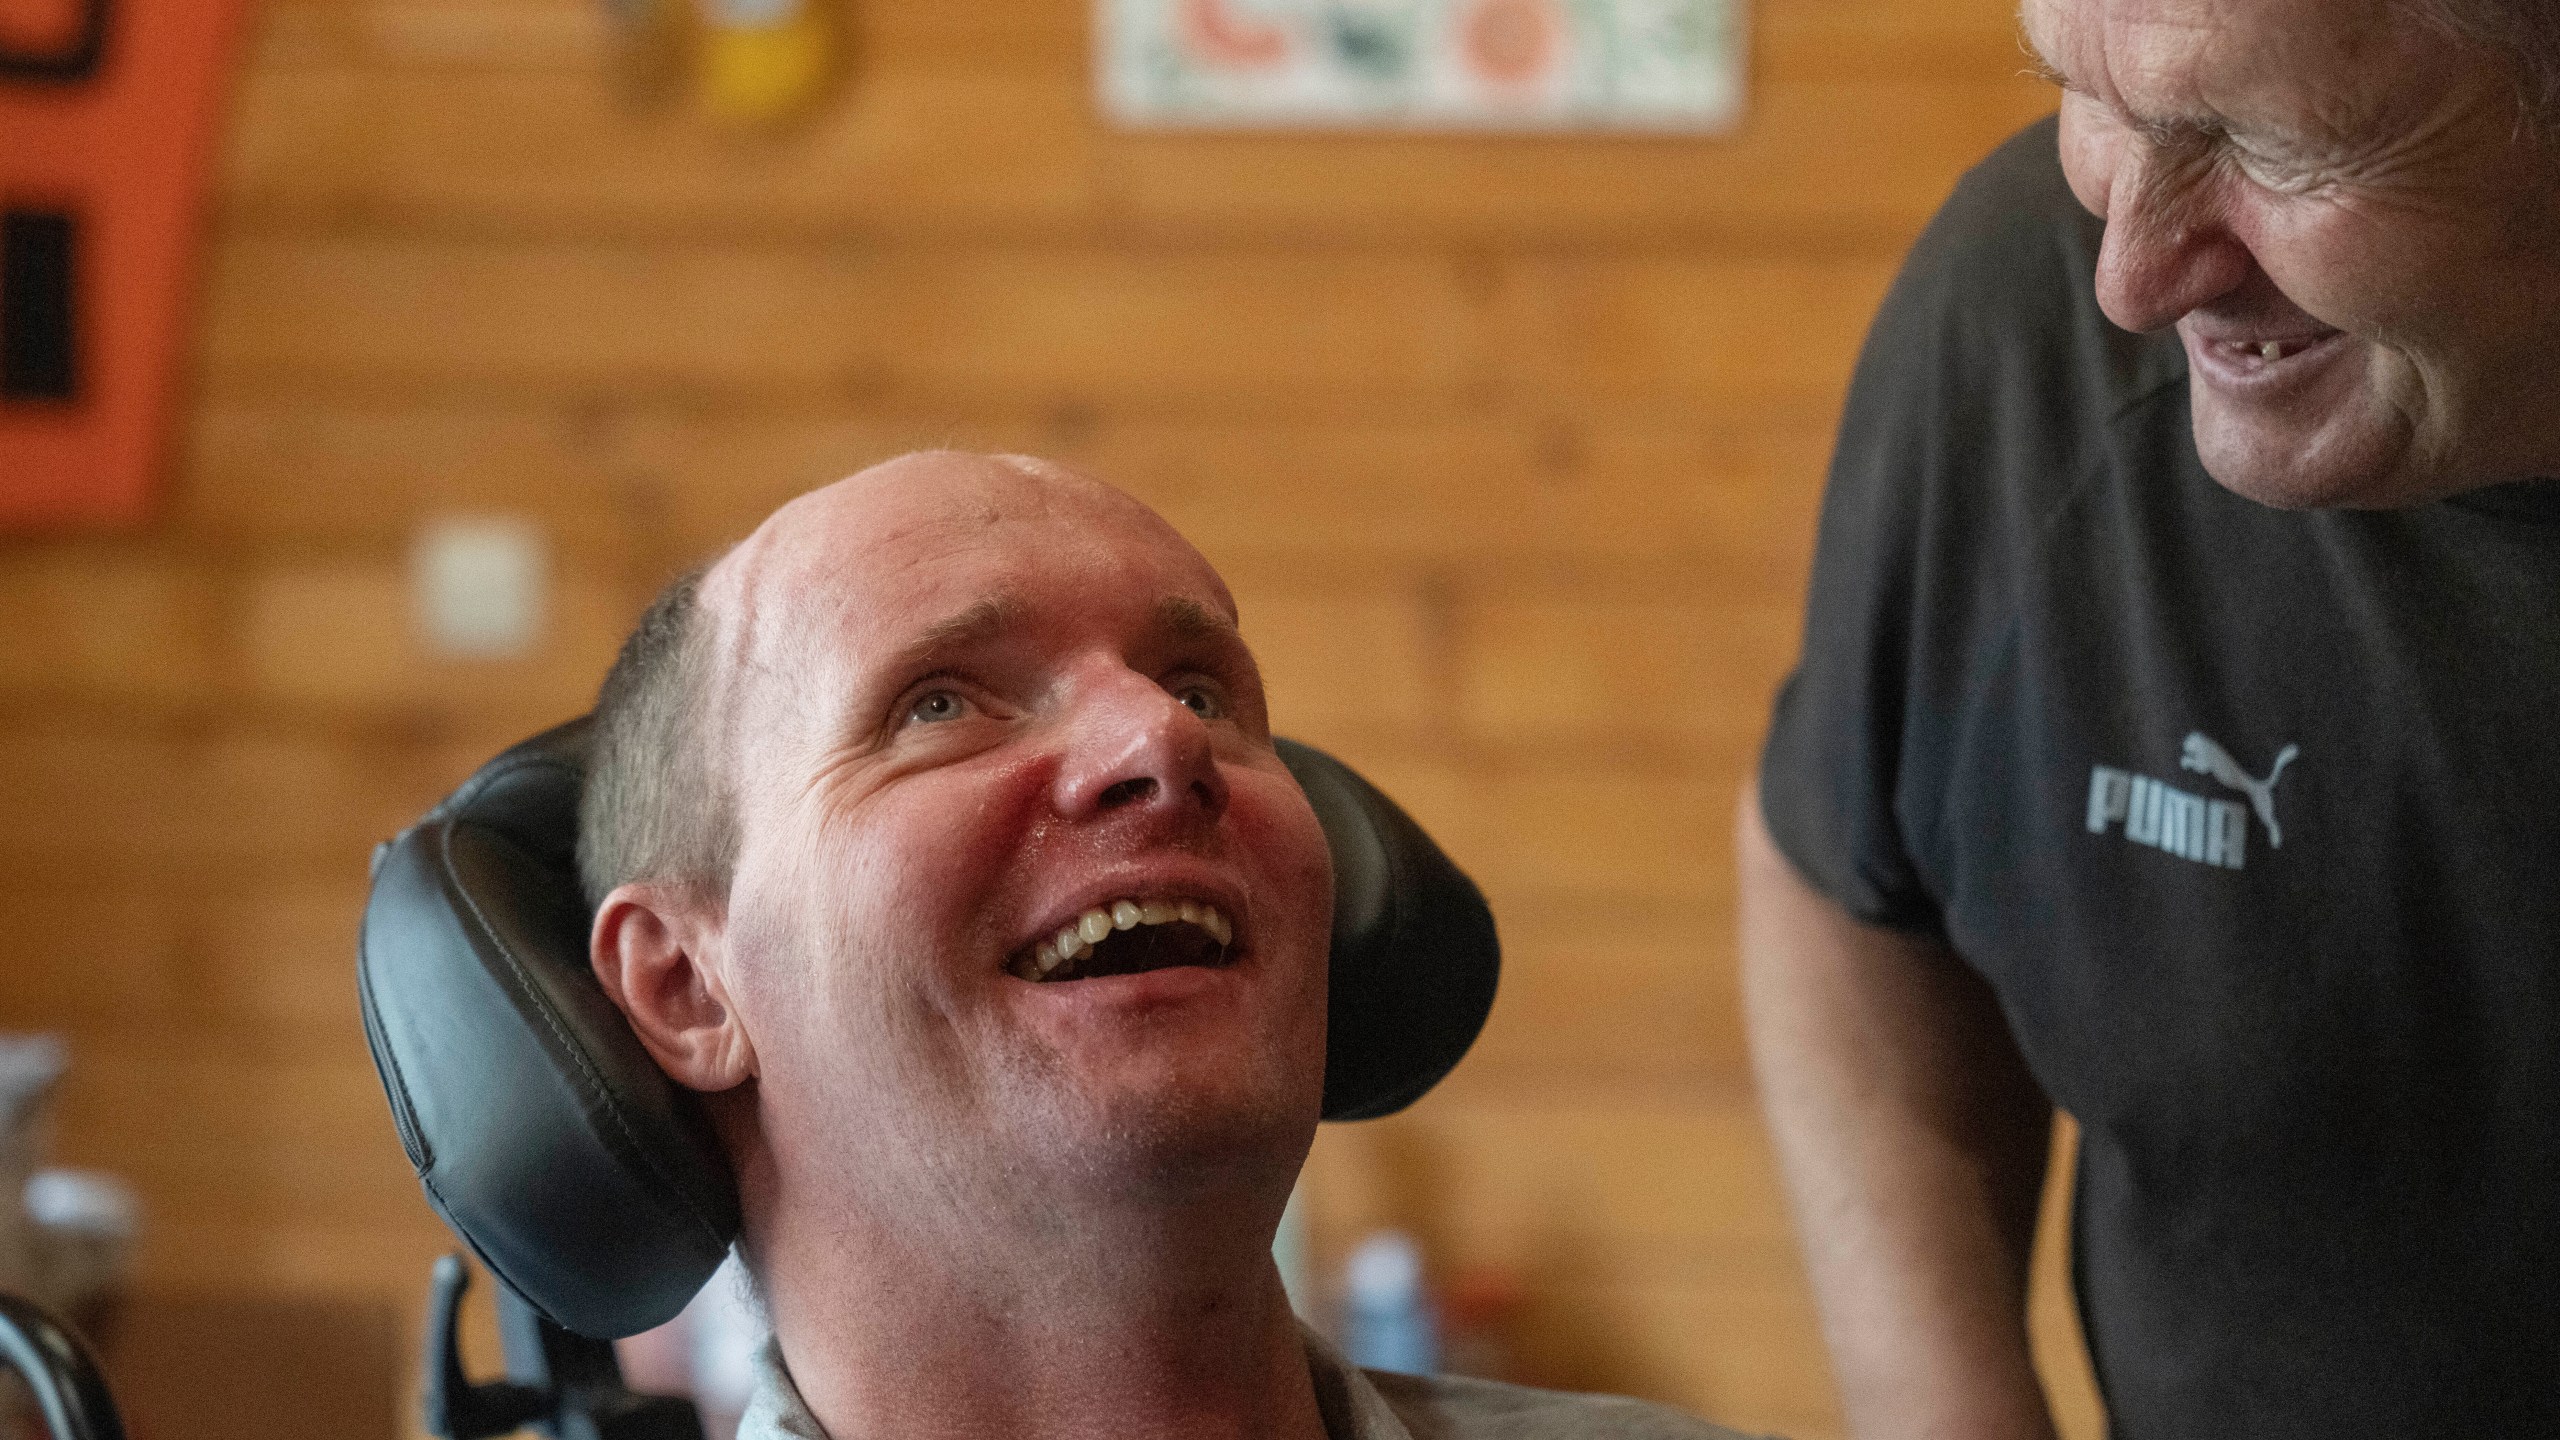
x=1356, y=1405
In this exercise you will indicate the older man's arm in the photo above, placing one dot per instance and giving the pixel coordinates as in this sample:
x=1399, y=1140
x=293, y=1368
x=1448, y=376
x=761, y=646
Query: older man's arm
x=1914, y=1145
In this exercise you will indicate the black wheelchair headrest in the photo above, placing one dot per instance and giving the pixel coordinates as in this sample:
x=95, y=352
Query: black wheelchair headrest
x=592, y=1185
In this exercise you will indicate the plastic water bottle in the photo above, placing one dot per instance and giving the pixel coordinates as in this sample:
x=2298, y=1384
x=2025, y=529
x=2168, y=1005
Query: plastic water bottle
x=1387, y=1320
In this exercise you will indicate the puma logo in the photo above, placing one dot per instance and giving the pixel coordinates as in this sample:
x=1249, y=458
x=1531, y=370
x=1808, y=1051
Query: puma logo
x=2189, y=826
x=2206, y=758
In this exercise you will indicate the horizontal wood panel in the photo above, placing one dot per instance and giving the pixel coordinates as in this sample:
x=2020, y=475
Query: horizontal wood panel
x=1789, y=36
x=1147, y=328
x=346, y=636
x=158, y=801
x=308, y=477
x=130, y=622
x=1637, y=1179
x=1453, y=494
x=640, y=491
x=280, y=957
x=987, y=150
x=208, y=1129
x=568, y=34
x=1909, y=136
x=1695, y=334
x=1647, y=1240
x=1351, y=661
x=1539, y=667
x=1569, y=828
x=1489, y=499
x=1599, y=994
x=386, y=313
x=119, y=953
x=386, y=1255
x=431, y=34
x=1746, y=1354
x=1006, y=152
x=1140, y=330
x=82, y=955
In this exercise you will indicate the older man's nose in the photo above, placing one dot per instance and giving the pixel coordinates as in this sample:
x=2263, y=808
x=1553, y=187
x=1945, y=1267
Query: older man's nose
x=2168, y=251
x=1136, y=747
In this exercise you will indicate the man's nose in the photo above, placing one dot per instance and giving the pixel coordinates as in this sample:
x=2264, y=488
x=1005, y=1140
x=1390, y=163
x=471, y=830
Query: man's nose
x=1136, y=748
x=2168, y=250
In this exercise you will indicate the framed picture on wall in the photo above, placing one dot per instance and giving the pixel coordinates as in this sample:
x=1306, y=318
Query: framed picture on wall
x=1526, y=65
x=107, y=120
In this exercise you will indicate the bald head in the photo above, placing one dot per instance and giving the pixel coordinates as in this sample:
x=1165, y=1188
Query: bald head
x=659, y=802
x=837, y=546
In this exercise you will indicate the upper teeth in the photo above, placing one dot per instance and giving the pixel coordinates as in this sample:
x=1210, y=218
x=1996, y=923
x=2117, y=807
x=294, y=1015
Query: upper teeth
x=1076, y=939
x=2272, y=350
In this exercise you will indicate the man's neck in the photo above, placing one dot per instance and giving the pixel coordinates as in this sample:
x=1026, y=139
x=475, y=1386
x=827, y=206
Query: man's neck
x=1119, y=1322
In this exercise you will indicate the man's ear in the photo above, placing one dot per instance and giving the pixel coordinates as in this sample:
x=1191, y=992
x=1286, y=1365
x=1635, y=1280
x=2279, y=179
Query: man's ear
x=657, y=952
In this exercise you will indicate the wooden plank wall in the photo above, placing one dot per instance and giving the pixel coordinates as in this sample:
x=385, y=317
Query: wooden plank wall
x=1510, y=447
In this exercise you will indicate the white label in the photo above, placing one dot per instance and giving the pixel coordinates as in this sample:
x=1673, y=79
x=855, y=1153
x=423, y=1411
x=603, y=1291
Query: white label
x=478, y=582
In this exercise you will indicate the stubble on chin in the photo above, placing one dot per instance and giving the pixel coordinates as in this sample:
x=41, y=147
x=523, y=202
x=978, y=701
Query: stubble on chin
x=1169, y=1141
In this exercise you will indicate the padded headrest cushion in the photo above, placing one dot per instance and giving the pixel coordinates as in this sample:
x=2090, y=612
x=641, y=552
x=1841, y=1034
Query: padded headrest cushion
x=592, y=1185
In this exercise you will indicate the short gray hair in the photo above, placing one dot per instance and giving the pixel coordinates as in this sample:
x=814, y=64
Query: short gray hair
x=2523, y=33
x=656, y=804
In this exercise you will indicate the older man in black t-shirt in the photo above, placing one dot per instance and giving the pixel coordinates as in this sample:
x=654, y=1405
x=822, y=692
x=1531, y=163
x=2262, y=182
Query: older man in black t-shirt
x=2225, y=816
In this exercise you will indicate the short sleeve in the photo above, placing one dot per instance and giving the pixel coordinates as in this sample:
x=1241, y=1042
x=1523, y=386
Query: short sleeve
x=1833, y=761
x=1981, y=392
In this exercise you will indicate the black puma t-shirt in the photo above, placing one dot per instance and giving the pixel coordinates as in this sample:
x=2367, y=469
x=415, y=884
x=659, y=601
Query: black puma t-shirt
x=2251, y=818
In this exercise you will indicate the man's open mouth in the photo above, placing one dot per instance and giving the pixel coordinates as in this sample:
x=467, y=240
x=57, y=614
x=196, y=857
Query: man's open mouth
x=1129, y=937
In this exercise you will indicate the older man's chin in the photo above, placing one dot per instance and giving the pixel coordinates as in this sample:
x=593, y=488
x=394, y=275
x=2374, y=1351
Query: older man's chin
x=2356, y=453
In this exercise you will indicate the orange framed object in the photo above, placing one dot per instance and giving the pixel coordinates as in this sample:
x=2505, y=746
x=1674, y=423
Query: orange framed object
x=108, y=114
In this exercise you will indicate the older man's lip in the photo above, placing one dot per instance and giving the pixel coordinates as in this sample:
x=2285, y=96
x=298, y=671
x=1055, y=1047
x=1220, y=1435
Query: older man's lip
x=2253, y=362
x=2271, y=350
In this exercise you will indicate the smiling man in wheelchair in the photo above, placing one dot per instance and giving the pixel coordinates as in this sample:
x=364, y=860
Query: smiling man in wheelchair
x=938, y=850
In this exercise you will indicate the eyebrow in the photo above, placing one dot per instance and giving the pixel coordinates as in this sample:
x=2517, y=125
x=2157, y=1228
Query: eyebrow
x=976, y=625
x=1187, y=619
x=2162, y=131
x=2038, y=66
x=1177, y=616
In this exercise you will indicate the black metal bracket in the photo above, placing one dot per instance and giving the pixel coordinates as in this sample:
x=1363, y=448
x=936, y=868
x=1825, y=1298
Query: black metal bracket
x=564, y=1385
x=70, y=1389
x=77, y=60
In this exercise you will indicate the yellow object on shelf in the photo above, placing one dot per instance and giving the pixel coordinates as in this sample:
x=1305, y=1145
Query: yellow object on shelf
x=750, y=64
x=763, y=62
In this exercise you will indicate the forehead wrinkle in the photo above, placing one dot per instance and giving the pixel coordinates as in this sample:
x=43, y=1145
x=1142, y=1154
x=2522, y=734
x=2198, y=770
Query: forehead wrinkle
x=1178, y=616
x=2095, y=49
x=2315, y=72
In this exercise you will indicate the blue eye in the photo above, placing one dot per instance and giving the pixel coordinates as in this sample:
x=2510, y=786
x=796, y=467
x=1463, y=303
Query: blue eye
x=1202, y=701
x=936, y=706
